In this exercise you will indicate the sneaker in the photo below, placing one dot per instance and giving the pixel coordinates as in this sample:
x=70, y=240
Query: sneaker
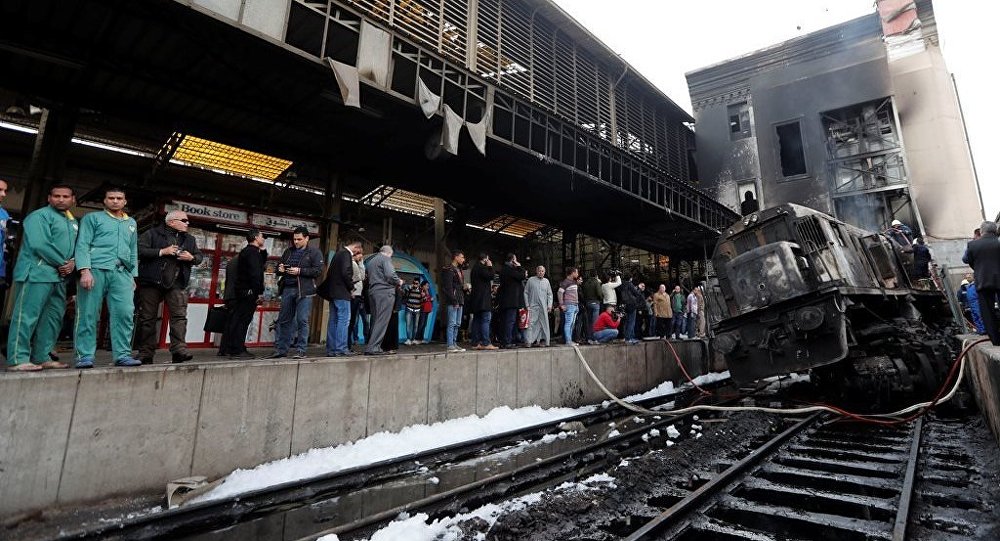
x=455, y=349
x=299, y=355
x=276, y=355
x=682, y=337
x=84, y=362
x=570, y=344
x=127, y=360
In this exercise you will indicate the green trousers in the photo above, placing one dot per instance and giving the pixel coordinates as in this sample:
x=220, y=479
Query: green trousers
x=35, y=321
x=117, y=286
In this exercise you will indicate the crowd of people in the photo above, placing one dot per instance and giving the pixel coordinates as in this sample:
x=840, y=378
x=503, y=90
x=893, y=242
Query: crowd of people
x=103, y=259
x=508, y=306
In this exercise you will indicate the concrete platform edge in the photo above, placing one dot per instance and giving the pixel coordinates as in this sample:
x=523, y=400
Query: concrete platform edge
x=70, y=435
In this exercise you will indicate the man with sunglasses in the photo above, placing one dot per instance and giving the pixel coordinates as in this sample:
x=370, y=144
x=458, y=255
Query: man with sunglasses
x=166, y=254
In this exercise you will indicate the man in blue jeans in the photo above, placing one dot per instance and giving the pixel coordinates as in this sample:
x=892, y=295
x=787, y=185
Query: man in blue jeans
x=340, y=289
x=300, y=265
x=453, y=296
x=569, y=302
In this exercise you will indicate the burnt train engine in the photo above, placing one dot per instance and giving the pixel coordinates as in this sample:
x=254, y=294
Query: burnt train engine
x=805, y=291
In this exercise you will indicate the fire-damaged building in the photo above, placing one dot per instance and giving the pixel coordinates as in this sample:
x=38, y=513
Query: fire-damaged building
x=860, y=120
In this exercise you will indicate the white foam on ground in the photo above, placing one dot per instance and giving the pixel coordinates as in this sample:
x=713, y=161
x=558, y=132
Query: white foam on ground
x=416, y=528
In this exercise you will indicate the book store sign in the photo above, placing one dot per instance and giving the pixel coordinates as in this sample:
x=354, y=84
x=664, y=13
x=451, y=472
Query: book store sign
x=209, y=212
x=283, y=223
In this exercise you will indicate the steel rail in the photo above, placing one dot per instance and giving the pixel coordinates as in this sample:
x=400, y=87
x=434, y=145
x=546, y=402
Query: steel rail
x=683, y=507
x=582, y=458
x=228, y=511
x=906, y=496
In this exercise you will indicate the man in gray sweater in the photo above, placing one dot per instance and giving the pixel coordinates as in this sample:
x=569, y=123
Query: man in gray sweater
x=382, y=284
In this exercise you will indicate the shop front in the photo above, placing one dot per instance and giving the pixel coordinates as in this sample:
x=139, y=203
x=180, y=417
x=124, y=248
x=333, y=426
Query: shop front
x=220, y=234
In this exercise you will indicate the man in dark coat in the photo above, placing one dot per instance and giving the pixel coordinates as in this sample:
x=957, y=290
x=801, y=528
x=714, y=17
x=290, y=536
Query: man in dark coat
x=298, y=270
x=166, y=254
x=340, y=290
x=453, y=298
x=249, y=292
x=983, y=255
x=480, y=304
x=921, y=260
x=511, y=297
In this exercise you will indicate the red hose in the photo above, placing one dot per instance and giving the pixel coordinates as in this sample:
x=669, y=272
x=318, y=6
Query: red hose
x=684, y=370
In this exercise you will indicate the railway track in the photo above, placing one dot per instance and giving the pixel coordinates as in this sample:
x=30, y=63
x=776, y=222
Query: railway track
x=821, y=479
x=311, y=503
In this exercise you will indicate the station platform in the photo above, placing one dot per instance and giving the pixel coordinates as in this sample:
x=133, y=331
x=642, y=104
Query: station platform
x=982, y=373
x=69, y=437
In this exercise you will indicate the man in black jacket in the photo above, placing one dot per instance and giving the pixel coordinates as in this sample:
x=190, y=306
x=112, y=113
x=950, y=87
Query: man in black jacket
x=511, y=297
x=340, y=289
x=480, y=303
x=983, y=255
x=249, y=292
x=300, y=265
x=166, y=254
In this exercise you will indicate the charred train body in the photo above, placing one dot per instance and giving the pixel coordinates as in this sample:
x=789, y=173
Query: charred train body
x=803, y=291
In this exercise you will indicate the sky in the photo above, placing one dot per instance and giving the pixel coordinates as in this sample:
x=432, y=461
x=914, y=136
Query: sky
x=665, y=39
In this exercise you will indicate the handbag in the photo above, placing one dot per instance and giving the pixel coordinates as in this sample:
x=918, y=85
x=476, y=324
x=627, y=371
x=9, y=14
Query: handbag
x=217, y=318
x=523, y=319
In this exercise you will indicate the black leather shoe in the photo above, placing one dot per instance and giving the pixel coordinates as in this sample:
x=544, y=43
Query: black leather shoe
x=145, y=360
x=276, y=355
x=176, y=358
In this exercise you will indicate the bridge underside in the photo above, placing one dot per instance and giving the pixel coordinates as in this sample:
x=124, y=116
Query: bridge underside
x=139, y=71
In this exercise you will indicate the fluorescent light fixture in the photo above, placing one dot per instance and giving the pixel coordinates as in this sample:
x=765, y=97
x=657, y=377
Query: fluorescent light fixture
x=221, y=158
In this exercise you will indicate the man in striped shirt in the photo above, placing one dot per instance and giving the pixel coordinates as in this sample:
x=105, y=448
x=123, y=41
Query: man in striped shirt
x=413, y=297
x=569, y=302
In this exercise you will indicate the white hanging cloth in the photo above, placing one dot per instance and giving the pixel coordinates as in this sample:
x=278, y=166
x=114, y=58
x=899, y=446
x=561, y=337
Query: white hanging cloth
x=347, y=80
x=374, y=54
x=430, y=103
x=451, y=130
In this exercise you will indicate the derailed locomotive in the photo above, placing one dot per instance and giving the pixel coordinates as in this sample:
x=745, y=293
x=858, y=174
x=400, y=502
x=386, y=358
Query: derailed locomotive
x=805, y=291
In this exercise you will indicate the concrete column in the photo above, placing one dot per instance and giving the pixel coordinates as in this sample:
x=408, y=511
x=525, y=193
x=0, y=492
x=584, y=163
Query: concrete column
x=48, y=159
x=329, y=238
x=569, y=252
x=442, y=254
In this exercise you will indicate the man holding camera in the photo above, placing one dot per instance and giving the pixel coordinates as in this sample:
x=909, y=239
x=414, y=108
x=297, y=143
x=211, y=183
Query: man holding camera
x=606, y=328
x=166, y=255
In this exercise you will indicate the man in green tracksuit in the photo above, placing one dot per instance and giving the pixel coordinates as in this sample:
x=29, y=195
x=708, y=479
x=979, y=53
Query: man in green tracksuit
x=46, y=258
x=108, y=258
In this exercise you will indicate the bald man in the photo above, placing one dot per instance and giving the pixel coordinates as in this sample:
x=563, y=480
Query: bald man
x=166, y=255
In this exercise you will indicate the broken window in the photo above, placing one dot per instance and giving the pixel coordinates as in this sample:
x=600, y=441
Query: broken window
x=739, y=121
x=793, y=156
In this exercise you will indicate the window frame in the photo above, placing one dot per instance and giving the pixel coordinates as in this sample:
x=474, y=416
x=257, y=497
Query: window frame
x=742, y=109
x=804, y=148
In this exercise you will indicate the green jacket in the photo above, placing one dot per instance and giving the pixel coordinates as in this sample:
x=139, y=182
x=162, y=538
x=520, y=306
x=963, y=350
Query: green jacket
x=107, y=242
x=49, y=238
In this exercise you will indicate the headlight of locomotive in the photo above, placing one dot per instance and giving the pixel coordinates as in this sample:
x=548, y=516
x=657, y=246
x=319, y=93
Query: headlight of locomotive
x=809, y=318
x=726, y=343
